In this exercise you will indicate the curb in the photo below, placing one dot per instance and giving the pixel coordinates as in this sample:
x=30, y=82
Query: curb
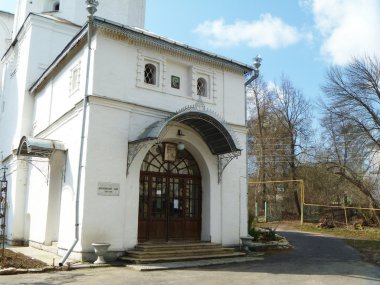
x=190, y=264
x=12, y=270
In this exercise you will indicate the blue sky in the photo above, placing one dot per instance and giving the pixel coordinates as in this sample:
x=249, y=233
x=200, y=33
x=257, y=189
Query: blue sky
x=298, y=38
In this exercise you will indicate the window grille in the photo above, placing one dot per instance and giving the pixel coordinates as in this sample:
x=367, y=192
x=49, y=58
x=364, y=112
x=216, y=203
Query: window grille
x=150, y=74
x=201, y=87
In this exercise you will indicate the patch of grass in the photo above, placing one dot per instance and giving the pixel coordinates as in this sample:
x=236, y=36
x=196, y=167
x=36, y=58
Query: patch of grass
x=365, y=234
x=371, y=245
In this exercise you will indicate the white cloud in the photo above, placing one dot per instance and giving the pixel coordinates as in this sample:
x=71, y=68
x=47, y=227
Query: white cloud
x=267, y=31
x=348, y=28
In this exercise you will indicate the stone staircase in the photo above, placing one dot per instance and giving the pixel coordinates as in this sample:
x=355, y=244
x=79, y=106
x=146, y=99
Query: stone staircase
x=177, y=251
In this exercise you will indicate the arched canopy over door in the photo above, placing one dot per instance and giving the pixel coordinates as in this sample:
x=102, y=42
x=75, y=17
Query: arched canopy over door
x=213, y=130
x=36, y=147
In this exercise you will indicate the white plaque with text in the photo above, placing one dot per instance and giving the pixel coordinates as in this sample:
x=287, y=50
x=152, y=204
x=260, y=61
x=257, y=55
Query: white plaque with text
x=108, y=189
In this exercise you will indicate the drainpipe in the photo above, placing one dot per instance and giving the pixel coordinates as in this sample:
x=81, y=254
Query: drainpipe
x=256, y=73
x=91, y=8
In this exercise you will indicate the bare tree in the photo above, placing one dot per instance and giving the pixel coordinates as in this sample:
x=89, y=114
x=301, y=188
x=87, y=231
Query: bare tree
x=278, y=128
x=354, y=96
x=293, y=114
x=259, y=108
x=352, y=123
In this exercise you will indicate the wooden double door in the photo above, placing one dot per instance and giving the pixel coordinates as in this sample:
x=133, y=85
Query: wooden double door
x=169, y=207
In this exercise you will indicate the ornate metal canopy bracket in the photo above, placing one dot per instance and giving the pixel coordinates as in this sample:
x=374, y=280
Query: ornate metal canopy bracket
x=134, y=148
x=224, y=160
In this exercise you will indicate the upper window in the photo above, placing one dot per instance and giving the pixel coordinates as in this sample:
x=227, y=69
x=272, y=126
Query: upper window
x=56, y=6
x=75, y=78
x=202, y=87
x=150, y=74
x=50, y=5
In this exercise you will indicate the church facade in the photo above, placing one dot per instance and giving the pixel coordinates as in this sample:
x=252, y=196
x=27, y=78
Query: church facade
x=128, y=138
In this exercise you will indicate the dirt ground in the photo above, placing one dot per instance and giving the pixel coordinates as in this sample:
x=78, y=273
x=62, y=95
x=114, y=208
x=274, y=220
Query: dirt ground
x=18, y=260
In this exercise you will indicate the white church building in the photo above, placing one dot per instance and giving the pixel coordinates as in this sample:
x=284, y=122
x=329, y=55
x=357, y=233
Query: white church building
x=127, y=138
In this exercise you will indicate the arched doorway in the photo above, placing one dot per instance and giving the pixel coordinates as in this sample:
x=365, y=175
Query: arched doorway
x=170, y=197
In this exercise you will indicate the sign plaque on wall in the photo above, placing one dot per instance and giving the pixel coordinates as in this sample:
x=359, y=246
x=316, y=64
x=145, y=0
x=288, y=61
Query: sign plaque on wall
x=108, y=189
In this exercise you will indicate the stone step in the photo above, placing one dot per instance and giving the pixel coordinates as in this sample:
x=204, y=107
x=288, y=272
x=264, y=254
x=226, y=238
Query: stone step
x=179, y=252
x=175, y=246
x=180, y=258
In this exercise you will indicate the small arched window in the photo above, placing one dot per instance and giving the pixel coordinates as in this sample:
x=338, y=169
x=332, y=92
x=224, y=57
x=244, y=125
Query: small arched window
x=201, y=87
x=150, y=74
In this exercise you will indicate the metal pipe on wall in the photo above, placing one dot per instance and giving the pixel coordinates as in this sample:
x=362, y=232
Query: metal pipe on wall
x=91, y=8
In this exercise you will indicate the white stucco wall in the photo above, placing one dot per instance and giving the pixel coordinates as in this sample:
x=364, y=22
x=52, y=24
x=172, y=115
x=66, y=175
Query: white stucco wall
x=16, y=176
x=125, y=81
x=59, y=196
x=6, y=23
x=38, y=195
x=56, y=98
x=104, y=216
x=25, y=62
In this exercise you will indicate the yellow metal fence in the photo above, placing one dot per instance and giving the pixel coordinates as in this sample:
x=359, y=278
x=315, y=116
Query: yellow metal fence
x=302, y=199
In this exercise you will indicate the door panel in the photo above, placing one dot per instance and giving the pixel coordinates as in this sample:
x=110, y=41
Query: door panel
x=158, y=216
x=175, y=213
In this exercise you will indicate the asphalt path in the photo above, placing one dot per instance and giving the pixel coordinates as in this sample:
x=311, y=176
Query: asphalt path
x=314, y=260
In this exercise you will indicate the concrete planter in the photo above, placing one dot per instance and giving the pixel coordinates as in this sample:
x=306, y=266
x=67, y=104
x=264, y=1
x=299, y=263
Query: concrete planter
x=246, y=242
x=100, y=251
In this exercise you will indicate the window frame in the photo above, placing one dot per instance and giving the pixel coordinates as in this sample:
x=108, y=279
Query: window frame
x=159, y=64
x=209, y=78
x=75, y=76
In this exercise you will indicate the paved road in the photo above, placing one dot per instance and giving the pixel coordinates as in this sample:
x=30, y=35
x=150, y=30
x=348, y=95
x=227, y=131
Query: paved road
x=315, y=260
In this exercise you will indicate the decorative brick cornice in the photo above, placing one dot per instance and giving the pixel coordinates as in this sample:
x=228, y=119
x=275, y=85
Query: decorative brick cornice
x=144, y=38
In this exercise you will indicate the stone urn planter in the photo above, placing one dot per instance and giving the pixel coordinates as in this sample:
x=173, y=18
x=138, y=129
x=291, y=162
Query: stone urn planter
x=100, y=251
x=246, y=242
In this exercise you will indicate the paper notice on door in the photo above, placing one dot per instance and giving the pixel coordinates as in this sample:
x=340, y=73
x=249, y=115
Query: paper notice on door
x=175, y=204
